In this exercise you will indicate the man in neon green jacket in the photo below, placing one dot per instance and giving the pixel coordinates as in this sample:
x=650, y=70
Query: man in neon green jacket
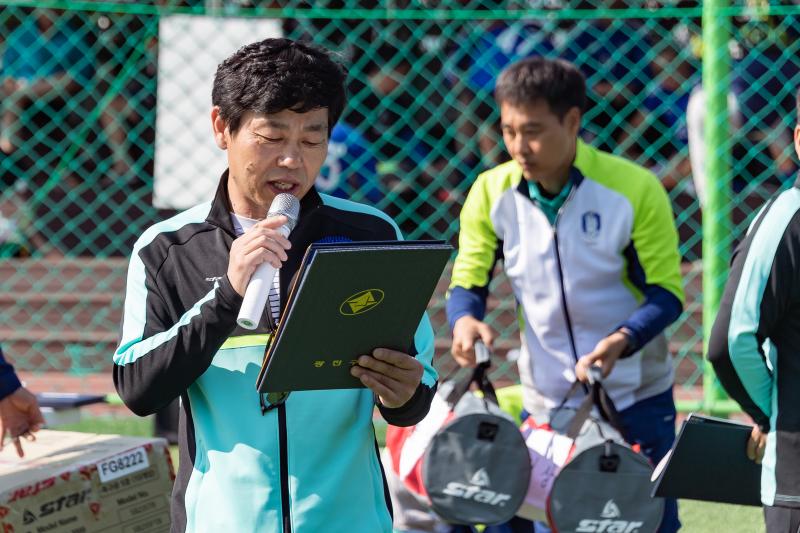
x=589, y=245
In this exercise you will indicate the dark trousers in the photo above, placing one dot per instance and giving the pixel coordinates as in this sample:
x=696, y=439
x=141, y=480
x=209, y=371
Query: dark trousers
x=782, y=519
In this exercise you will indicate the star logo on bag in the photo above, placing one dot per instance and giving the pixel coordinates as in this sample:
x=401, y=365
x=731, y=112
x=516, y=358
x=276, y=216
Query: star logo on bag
x=28, y=517
x=480, y=478
x=610, y=510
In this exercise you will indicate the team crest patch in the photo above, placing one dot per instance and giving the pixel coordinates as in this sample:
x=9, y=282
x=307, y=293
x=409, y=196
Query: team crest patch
x=590, y=225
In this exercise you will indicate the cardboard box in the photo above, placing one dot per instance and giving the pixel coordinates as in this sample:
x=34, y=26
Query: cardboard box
x=84, y=483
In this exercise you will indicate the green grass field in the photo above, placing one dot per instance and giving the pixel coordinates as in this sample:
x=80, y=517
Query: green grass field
x=697, y=517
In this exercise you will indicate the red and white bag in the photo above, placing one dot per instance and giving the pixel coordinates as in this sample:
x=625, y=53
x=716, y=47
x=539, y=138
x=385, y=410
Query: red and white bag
x=407, y=445
x=549, y=452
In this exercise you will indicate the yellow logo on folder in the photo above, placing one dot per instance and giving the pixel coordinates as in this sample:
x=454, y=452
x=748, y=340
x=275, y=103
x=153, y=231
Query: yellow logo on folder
x=361, y=302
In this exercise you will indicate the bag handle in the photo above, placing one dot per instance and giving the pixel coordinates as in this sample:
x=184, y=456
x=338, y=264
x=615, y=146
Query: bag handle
x=597, y=397
x=604, y=403
x=479, y=376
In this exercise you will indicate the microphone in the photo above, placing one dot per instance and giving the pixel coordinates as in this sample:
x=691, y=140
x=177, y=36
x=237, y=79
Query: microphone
x=257, y=292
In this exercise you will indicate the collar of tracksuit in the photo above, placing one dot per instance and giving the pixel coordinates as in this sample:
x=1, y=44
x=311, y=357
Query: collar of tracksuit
x=551, y=204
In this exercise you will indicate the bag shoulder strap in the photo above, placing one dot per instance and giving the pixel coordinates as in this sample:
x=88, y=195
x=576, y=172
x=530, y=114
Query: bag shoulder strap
x=480, y=377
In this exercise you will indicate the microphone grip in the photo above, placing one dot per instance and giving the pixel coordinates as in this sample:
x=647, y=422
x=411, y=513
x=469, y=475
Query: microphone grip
x=255, y=296
x=257, y=292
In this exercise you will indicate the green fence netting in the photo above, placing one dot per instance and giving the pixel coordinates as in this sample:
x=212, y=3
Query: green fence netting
x=84, y=88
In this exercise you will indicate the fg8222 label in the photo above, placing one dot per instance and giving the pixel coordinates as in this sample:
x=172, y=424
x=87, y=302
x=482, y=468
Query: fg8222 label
x=122, y=464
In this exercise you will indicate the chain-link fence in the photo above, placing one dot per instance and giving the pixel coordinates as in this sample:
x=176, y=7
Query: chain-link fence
x=97, y=141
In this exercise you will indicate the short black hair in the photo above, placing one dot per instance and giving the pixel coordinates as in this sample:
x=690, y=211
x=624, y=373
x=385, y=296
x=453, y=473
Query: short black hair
x=555, y=81
x=272, y=75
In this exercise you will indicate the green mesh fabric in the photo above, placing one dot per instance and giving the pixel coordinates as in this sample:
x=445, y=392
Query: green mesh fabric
x=78, y=134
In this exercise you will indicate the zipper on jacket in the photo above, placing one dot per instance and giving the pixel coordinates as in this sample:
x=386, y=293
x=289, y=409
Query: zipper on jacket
x=284, y=468
x=282, y=438
x=567, y=318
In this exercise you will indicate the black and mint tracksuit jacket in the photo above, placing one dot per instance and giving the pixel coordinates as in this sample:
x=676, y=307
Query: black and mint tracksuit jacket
x=309, y=465
x=755, y=341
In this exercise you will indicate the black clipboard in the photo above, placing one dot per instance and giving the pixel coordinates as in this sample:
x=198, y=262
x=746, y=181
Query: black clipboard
x=348, y=299
x=709, y=462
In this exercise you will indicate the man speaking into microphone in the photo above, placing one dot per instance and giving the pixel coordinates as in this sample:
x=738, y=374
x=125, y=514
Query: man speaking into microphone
x=300, y=462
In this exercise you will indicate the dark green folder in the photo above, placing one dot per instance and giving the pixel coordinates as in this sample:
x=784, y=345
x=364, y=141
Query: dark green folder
x=709, y=462
x=348, y=299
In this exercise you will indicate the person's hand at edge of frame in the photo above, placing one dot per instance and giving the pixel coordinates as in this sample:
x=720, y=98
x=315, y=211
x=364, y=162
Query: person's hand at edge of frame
x=756, y=445
x=393, y=376
x=466, y=331
x=604, y=355
x=20, y=417
x=262, y=243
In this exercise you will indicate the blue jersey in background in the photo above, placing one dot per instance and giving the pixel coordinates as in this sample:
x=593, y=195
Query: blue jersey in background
x=350, y=169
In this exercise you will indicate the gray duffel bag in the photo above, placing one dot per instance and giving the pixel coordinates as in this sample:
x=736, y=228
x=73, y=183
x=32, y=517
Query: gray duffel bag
x=477, y=467
x=604, y=487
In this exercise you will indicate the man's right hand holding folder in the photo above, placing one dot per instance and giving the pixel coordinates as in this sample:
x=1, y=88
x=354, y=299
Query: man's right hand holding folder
x=756, y=445
x=393, y=376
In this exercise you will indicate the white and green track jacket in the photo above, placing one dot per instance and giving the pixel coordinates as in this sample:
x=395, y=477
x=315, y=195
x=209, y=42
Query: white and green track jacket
x=609, y=260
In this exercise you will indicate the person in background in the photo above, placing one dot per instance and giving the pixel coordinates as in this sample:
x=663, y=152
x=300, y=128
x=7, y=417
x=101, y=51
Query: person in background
x=480, y=51
x=611, y=54
x=754, y=347
x=19, y=411
x=759, y=101
x=658, y=136
x=350, y=168
x=410, y=137
x=45, y=60
x=589, y=245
